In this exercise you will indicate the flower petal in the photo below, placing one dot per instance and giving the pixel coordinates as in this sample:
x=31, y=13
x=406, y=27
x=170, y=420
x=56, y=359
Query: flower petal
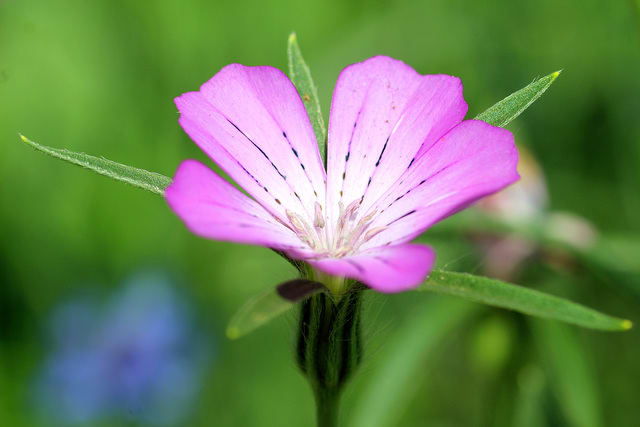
x=253, y=124
x=385, y=269
x=382, y=113
x=473, y=160
x=213, y=208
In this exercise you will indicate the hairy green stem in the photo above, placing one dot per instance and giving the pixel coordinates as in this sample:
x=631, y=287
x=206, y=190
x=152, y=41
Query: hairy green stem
x=329, y=348
x=327, y=405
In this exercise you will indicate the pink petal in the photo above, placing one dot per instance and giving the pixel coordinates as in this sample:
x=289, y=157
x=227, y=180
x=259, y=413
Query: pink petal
x=252, y=123
x=473, y=160
x=382, y=112
x=213, y=208
x=385, y=269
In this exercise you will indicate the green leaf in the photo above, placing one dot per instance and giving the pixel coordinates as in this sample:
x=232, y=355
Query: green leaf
x=270, y=304
x=509, y=108
x=395, y=375
x=528, y=301
x=150, y=181
x=301, y=77
x=570, y=375
x=528, y=404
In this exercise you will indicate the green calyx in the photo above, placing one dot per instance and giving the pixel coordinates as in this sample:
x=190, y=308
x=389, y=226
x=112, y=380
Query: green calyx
x=329, y=347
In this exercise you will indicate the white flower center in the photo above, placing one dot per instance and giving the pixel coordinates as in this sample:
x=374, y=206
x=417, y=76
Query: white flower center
x=348, y=234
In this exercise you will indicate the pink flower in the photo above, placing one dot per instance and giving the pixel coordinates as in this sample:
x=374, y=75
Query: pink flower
x=399, y=159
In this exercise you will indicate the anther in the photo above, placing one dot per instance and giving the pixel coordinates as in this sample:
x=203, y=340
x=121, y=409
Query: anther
x=318, y=221
x=296, y=222
x=373, y=232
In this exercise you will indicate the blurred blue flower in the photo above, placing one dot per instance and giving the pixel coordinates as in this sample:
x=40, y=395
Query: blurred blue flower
x=138, y=356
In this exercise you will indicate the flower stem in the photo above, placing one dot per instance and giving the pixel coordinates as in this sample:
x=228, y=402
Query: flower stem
x=327, y=403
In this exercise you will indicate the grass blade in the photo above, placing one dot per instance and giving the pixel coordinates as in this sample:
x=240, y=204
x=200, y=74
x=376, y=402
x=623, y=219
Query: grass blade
x=503, y=112
x=528, y=301
x=150, y=181
x=394, y=379
x=301, y=77
x=571, y=378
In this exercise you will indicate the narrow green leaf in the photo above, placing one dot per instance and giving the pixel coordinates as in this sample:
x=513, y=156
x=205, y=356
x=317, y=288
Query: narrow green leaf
x=270, y=304
x=395, y=377
x=150, y=181
x=528, y=301
x=301, y=77
x=570, y=375
x=503, y=112
x=528, y=407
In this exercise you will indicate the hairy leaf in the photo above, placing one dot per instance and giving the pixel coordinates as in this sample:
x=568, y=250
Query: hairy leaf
x=528, y=301
x=301, y=77
x=150, y=181
x=512, y=106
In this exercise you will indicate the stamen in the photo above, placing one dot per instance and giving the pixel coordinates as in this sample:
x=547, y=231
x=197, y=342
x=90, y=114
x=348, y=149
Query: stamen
x=347, y=237
x=302, y=230
x=341, y=218
x=318, y=221
x=352, y=209
x=373, y=232
x=369, y=216
x=296, y=221
x=344, y=250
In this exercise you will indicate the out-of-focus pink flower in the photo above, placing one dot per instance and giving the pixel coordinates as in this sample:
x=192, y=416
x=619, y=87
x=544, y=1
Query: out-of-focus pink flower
x=525, y=204
x=399, y=159
x=525, y=201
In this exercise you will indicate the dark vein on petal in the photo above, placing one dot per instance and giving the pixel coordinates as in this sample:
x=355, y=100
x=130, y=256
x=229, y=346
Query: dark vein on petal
x=403, y=216
x=258, y=147
x=356, y=265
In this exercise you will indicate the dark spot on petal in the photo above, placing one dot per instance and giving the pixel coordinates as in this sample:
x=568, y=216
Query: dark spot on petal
x=294, y=151
x=344, y=175
x=278, y=201
x=265, y=189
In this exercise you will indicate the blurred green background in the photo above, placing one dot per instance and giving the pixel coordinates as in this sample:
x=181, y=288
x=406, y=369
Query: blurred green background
x=100, y=77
